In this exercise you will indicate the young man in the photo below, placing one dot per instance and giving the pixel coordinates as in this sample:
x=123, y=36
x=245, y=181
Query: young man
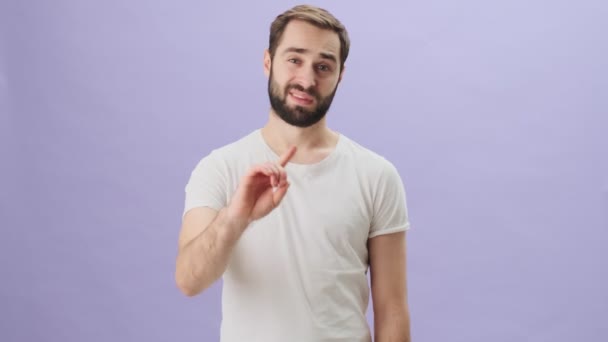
x=293, y=214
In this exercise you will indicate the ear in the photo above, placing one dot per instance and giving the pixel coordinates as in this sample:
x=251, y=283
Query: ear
x=341, y=74
x=267, y=63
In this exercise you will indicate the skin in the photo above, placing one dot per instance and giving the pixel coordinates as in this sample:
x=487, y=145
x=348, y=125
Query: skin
x=308, y=57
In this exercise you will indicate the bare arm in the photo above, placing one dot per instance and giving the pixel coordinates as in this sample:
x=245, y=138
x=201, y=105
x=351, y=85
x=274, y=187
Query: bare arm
x=205, y=244
x=389, y=288
x=207, y=237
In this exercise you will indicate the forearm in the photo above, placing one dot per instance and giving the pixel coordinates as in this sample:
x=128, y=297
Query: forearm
x=392, y=326
x=204, y=259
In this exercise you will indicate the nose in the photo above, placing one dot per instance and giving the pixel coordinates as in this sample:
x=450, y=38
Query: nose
x=306, y=77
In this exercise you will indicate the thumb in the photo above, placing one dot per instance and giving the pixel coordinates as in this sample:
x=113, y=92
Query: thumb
x=278, y=195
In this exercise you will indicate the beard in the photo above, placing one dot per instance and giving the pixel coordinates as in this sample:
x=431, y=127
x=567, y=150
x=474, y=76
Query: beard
x=298, y=116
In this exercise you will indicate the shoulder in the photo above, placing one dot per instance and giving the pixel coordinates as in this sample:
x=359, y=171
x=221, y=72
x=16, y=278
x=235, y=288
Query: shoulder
x=232, y=152
x=364, y=159
x=239, y=147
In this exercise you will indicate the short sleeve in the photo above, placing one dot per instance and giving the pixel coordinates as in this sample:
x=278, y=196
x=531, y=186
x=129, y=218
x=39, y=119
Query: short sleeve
x=207, y=185
x=390, y=214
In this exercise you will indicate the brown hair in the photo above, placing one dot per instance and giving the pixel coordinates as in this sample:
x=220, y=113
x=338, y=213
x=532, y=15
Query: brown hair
x=312, y=15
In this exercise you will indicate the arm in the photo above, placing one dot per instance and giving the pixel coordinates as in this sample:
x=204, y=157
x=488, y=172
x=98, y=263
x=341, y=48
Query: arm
x=206, y=240
x=389, y=288
x=207, y=237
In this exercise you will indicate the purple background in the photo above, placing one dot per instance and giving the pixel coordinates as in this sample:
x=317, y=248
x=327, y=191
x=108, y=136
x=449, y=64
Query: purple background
x=495, y=114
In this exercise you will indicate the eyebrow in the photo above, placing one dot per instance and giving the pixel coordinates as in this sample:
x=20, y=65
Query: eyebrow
x=323, y=55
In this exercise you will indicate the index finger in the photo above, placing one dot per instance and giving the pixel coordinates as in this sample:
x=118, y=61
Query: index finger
x=287, y=156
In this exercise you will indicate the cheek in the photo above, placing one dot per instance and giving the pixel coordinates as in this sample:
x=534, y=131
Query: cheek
x=285, y=73
x=278, y=86
x=277, y=77
x=329, y=86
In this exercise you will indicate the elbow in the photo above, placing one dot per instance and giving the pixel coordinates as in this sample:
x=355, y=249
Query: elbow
x=187, y=291
x=185, y=288
x=184, y=285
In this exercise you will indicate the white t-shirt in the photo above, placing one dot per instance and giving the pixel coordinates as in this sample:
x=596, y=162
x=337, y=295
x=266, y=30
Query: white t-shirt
x=300, y=273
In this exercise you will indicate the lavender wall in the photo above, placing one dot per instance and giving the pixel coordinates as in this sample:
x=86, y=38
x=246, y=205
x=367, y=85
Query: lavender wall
x=495, y=113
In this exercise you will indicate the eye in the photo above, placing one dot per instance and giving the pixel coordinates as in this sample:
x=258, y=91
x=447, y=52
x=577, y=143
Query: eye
x=323, y=67
x=293, y=60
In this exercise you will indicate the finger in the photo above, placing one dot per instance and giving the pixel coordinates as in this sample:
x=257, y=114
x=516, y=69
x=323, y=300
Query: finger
x=287, y=156
x=270, y=172
x=261, y=169
x=282, y=176
x=276, y=169
x=278, y=195
x=252, y=176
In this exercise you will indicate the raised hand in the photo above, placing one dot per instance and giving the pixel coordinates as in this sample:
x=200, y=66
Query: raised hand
x=261, y=190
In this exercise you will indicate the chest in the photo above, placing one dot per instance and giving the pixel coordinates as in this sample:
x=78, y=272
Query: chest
x=322, y=221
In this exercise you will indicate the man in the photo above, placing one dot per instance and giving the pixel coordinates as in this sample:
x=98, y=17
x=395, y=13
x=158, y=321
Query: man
x=293, y=214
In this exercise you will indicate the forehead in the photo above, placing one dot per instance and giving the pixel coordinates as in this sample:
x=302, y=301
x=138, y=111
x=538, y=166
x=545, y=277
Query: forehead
x=302, y=35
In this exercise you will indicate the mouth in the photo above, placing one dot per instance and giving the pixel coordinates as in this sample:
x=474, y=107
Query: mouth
x=301, y=98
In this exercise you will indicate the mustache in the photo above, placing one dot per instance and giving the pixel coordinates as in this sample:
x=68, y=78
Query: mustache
x=310, y=91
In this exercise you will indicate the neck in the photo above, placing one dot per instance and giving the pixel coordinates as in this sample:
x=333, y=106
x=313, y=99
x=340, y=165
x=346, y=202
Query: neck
x=313, y=143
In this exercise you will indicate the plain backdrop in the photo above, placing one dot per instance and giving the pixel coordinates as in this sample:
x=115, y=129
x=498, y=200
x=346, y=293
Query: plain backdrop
x=494, y=112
